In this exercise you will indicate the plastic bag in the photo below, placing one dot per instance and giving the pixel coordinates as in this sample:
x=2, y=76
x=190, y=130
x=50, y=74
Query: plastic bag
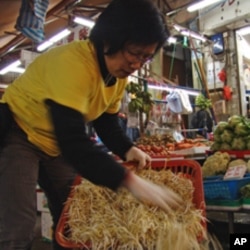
x=174, y=102
x=185, y=102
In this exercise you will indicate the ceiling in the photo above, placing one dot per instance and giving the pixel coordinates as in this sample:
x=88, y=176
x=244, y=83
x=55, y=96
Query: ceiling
x=59, y=14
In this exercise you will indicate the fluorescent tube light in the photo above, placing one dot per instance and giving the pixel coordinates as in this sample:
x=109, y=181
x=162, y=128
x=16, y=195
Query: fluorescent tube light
x=201, y=5
x=178, y=27
x=4, y=86
x=194, y=35
x=10, y=67
x=60, y=36
x=44, y=45
x=161, y=87
x=186, y=32
x=53, y=39
x=18, y=70
x=172, y=39
x=85, y=22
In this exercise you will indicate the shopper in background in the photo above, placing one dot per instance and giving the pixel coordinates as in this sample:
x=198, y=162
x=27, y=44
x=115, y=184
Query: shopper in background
x=59, y=93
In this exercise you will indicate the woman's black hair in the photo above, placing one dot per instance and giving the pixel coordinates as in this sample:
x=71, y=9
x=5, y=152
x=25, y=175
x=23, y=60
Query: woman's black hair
x=129, y=22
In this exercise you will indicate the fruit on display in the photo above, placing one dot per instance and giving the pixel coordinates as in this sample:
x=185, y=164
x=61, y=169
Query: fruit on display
x=156, y=145
x=233, y=134
x=161, y=145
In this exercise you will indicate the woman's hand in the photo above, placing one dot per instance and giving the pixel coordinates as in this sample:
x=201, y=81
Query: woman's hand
x=147, y=191
x=135, y=154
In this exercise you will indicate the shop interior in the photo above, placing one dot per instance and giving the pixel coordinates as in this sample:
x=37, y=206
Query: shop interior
x=179, y=107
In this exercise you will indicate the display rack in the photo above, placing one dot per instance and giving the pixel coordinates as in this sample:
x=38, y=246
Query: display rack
x=230, y=210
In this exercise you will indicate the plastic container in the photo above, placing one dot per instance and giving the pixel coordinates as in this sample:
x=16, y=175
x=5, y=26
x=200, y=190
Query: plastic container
x=219, y=189
x=190, y=169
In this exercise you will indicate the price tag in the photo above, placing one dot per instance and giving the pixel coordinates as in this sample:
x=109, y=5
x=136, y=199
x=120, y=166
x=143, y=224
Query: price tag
x=235, y=172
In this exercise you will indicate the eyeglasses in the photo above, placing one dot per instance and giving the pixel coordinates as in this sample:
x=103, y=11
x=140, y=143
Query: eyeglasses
x=133, y=57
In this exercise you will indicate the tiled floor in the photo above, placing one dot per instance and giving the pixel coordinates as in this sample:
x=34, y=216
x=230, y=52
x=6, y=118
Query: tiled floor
x=217, y=226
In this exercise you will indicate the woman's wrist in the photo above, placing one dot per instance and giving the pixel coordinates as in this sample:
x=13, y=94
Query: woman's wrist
x=127, y=178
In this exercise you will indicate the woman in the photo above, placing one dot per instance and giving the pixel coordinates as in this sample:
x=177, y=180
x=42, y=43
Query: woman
x=60, y=92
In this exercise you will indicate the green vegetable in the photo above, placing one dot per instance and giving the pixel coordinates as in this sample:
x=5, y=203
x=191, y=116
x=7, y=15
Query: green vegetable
x=238, y=143
x=234, y=120
x=215, y=146
x=248, y=166
x=217, y=137
x=221, y=126
x=245, y=191
x=248, y=143
x=225, y=146
x=241, y=129
x=227, y=136
x=202, y=102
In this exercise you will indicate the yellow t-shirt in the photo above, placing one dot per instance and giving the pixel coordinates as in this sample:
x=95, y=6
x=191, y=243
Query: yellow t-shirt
x=69, y=75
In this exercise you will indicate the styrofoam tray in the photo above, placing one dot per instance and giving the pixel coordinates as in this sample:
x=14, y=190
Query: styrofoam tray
x=192, y=151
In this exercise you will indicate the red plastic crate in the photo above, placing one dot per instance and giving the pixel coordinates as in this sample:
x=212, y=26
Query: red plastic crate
x=191, y=169
x=238, y=154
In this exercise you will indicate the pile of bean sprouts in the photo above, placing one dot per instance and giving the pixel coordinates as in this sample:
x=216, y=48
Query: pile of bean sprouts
x=102, y=219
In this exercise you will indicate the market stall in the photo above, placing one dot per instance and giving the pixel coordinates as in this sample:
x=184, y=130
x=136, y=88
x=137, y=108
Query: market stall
x=226, y=177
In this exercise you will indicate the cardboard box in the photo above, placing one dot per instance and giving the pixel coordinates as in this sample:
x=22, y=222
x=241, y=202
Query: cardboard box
x=46, y=225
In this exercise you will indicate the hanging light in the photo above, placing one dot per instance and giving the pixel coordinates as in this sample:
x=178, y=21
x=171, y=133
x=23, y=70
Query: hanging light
x=85, y=22
x=186, y=32
x=194, y=35
x=54, y=39
x=10, y=67
x=172, y=39
x=169, y=89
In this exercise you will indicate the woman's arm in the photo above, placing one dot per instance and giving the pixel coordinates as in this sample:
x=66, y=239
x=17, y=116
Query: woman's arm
x=77, y=148
x=112, y=135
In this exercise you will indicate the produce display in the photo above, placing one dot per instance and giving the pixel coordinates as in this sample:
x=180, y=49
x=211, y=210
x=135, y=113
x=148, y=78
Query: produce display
x=233, y=134
x=219, y=162
x=103, y=219
x=163, y=145
x=216, y=164
x=202, y=102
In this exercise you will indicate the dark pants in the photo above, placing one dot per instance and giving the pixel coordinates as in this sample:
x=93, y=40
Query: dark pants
x=22, y=166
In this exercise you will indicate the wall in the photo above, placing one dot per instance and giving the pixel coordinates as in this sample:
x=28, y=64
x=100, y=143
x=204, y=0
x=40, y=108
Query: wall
x=228, y=15
x=213, y=64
